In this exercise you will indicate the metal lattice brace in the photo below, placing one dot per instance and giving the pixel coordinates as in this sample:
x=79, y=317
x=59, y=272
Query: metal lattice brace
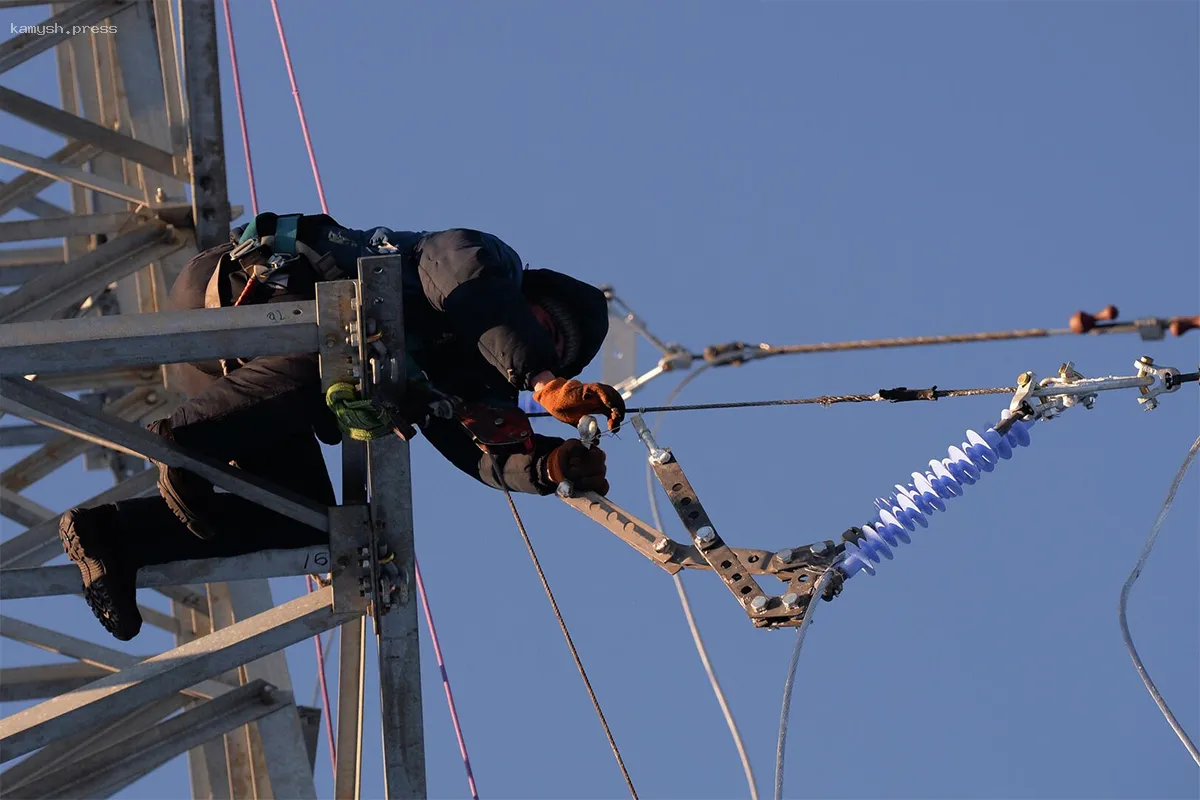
x=144, y=127
x=168, y=673
x=119, y=764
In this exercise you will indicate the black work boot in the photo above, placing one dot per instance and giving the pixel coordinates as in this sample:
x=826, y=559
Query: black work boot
x=188, y=495
x=92, y=539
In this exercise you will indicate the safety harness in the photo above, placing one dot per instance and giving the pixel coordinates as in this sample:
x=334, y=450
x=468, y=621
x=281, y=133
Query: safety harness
x=265, y=258
x=268, y=260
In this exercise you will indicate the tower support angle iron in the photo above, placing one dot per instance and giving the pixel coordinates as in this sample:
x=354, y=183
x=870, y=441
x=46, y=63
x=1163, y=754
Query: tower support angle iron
x=143, y=160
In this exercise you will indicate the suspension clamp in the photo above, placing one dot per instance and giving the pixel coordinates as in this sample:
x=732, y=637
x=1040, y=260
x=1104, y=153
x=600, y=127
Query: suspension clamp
x=676, y=358
x=1046, y=399
x=1165, y=381
x=735, y=353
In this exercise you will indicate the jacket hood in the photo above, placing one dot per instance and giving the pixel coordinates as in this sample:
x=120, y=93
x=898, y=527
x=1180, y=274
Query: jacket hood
x=580, y=310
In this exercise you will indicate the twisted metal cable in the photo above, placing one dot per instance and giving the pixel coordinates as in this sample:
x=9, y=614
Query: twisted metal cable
x=1081, y=325
x=1133, y=576
x=882, y=396
x=566, y=634
x=785, y=710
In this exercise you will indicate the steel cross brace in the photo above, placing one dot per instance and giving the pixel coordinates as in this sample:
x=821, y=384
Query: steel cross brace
x=799, y=568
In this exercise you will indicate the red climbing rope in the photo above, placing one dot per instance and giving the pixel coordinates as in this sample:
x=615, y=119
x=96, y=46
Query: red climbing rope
x=237, y=92
x=437, y=650
x=311, y=584
x=312, y=587
x=437, y=647
x=287, y=60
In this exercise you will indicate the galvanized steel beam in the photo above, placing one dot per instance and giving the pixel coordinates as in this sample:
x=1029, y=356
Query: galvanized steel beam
x=40, y=38
x=73, y=127
x=390, y=491
x=51, y=581
x=168, y=337
x=170, y=672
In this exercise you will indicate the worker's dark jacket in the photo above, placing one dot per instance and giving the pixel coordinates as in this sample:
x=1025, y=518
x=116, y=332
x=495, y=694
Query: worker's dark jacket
x=467, y=325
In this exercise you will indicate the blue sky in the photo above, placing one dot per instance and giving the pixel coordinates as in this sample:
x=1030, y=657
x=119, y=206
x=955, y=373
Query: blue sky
x=782, y=172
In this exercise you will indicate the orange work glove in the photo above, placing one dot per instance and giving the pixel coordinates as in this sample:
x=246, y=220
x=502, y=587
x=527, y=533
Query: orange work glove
x=570, y=401
x=582, y=467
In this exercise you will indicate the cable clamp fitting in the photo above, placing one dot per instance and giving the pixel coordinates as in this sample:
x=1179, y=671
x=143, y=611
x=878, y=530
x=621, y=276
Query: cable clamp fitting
x=1046, y=399
x=676, y=358
x=1165, y=381
x=903, y=394
x=658, y=455
x=735, y=353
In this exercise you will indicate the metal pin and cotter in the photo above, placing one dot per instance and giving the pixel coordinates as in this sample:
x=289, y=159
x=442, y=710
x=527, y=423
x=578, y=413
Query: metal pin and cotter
x=589, y=433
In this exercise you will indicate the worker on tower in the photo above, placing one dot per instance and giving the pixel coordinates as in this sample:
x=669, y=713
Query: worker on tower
x=479, y=329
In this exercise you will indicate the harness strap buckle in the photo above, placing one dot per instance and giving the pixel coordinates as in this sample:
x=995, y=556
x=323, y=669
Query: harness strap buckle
x=250, y=253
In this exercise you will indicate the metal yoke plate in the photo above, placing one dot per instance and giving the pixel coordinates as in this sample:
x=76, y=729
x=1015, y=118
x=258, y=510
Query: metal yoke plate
x=340, y=361
x=340, y=356
x=718, y=555
x=381, y=351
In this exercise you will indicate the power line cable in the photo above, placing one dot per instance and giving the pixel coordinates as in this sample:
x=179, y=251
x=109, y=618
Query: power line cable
x=898, y=395
x=785, y=710
x=1177, y=325
x=1133, y=576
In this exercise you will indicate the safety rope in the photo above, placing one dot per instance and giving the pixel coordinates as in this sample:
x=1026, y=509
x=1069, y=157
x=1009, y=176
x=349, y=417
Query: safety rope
x=686, y=604
x=237, y=92
x=361, y=420
x=898, y=395
x=1133, y=576
x=326, y=644
x=311, y=583
x=291, y=73
x=325, y=210
x=566, y=634
x=437, y=651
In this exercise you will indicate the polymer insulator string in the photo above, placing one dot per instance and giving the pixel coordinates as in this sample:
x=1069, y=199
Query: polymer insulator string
x=899, y=514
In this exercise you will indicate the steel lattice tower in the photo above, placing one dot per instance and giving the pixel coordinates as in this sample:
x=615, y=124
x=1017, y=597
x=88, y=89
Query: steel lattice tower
x=144, y=159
